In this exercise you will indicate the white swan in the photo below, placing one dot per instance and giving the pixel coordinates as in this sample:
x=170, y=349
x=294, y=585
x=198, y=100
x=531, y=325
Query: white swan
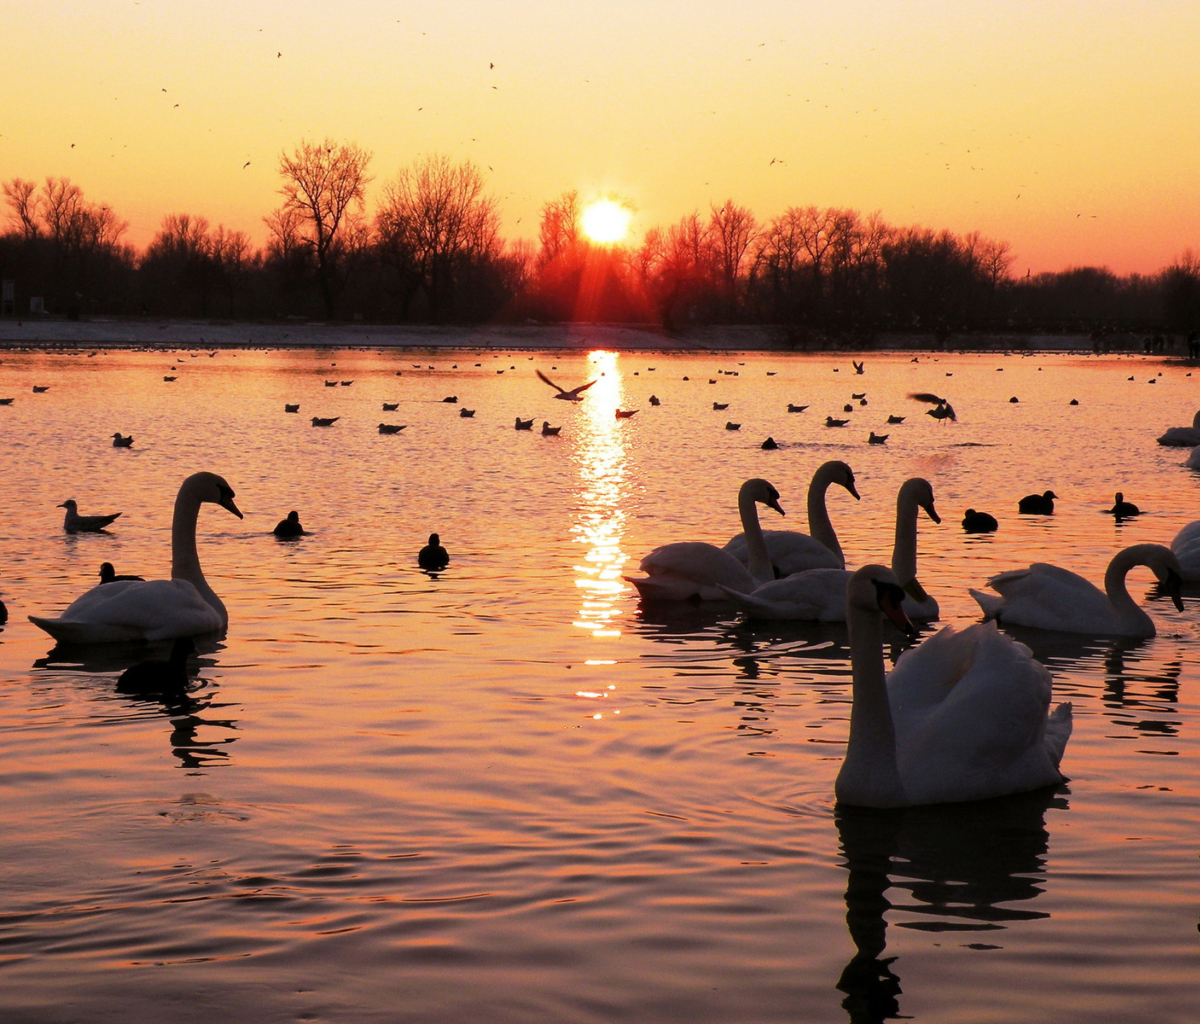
x=1186, y=548
x=1193, y=460
x=691, y=571
x=184, y=605
x=792, y=551
x=820, y=594
x=1183, y=437
x=1047, y=597
x=962, y=717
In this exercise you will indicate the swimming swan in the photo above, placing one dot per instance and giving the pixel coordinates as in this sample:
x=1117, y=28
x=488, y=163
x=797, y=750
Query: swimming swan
x=792, y=551
x=962, y=717
x=820, y=594
x=1047, y=597
x=690, y=571
x=184, y=605
x=1186, y=548
x=1183, y=437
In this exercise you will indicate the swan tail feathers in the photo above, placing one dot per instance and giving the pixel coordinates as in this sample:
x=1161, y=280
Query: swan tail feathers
x=991, y=604
x=1058, y=731
x=67, y=632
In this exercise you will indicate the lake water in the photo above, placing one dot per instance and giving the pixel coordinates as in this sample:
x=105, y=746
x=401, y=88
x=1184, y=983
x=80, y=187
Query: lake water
x=509, y=794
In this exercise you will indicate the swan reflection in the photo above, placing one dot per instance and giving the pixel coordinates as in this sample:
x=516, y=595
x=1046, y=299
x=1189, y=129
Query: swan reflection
x=603, y=465
x=957, y=866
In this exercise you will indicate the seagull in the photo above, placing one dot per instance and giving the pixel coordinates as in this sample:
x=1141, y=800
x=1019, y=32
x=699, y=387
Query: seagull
x=895, y=419
x=291, y=408
x=831, y=422
x=943, y=409
x=859, y=367
x=549, y=431
x=450, y=399
x=391, y=428
x=877, y=438
x=321, y=421
x=796, y=408
x=733, y=426
x=169, y=379
x=73, y=522
x=624, y=414
x=720, y=406
x=122, y=442
x=466, y=414
x=390, y=406
x=574, y=395
x=524, y=424
x=39, y=389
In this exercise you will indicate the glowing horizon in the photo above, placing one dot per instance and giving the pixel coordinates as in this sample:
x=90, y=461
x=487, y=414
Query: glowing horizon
x=1065, y=131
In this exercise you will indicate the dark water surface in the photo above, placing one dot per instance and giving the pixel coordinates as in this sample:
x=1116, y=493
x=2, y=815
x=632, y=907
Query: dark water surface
x=508, y=794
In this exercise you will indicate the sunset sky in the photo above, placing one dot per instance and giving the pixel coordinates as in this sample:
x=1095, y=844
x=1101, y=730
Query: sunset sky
x=1069, y=129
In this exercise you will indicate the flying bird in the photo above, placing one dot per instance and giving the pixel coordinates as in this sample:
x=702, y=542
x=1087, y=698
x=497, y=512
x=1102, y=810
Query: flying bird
x=942, y=410
x=574, y=395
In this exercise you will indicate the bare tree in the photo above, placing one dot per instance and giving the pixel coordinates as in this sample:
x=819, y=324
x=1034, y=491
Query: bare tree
x=436, y=222
x=325, y=184
x=732, y=229
x=21, y=196
x=559, y=230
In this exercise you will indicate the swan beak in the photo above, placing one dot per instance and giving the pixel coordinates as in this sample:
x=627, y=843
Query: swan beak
x=932, y=513
x=891, y=599
x=1174, y=582
x=850, y=487
x=774, y=503
x=228, y=504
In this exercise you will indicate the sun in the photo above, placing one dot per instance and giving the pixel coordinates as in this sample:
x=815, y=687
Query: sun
x=606, y=221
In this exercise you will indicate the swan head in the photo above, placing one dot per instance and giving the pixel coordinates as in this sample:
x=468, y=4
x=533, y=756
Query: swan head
x=841, y=473
x=763, y=492
x=1161, y=561
x=212, y=488
x=919, y=491
x=69, y=505
x=874, y=589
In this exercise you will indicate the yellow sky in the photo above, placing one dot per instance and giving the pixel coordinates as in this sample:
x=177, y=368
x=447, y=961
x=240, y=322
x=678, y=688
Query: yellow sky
x=1067, y=127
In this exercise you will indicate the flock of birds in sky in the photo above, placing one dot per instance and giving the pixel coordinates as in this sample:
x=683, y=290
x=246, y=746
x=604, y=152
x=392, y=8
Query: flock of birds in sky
x=963, y=716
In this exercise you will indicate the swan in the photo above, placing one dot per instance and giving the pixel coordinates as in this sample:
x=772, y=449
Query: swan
x=1193, y=460
x=1186, y=548
x=962, y=717
x=1047, y=597
x=820, y=594
x=184, y=605
x=792, y=551
x=1183, y=437
x=694, y=570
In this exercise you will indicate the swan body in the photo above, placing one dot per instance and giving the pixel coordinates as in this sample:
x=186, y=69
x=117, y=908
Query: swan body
x=1193, y=460
x=184, y=605
x=961, y=717
x=1183, y=437
x=1186, y=548
x=820, y=594
x=1048, y=597
x=792, y=551
x=693, y=570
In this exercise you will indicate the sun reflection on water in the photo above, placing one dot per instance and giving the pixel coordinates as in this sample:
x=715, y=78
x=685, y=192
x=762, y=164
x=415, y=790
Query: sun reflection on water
x=602, y=458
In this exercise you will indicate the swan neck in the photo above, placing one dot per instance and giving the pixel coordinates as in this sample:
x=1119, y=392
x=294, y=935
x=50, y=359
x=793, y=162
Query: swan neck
x=185, y=562
x=904, y=551
x=1118, y=592
x=758, y=561
x=819, y=526
x=869, y=775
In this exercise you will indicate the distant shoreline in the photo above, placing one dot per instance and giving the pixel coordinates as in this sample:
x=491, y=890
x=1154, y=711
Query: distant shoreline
x=124, y=333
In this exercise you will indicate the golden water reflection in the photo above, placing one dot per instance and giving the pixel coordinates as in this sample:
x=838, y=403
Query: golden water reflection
x=602, y=455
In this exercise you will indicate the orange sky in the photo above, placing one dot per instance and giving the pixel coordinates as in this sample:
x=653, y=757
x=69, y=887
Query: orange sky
x=1069, y=128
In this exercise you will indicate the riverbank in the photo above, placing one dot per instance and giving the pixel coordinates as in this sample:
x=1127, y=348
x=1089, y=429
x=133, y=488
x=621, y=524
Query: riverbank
x=102, y=332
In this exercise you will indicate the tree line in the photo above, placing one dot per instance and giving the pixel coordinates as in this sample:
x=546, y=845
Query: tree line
x=432, y=252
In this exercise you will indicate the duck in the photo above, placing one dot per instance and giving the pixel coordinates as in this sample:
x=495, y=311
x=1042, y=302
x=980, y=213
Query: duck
x=770, y=445
x=696, y=571
x=433, y=557
x=524, y=424
x=291, y=408
x=466, y=414
x=73, y=522
x=796, y=408
x=170, y=676
x=1182, y=437
x=453, y=399
x=654, y=400
x=1037, y=504
x=793, y=551
x=109, y=575
x=290, y=527
x=847, y=407
x=1045, y=596
x=549, y=431
x=122, y=442
x=1122, y=509
x=324, y=421
x=979, y=522
x=964, y=716
x=184, y=605
x=391, y=428
x=820, y=594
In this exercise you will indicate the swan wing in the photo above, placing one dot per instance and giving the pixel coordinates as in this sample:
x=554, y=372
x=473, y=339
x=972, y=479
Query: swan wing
x=703, y=568
x=813, y=595
x=790, y=551
x=1049, y=597
x=1180, y=437
x=133, y=610
x=987, y=737
x=1186, y=547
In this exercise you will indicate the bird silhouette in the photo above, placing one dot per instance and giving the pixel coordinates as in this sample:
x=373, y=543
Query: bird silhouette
x=291, y=408
x=624, y=414
x=524, y=424
x=122, y=442
x=73, y=522
x=433, y=557
x=160, y=676
x=574, y=395
x=109, y=575
x=289, y=527
x=859, y=367
x=391, y=428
